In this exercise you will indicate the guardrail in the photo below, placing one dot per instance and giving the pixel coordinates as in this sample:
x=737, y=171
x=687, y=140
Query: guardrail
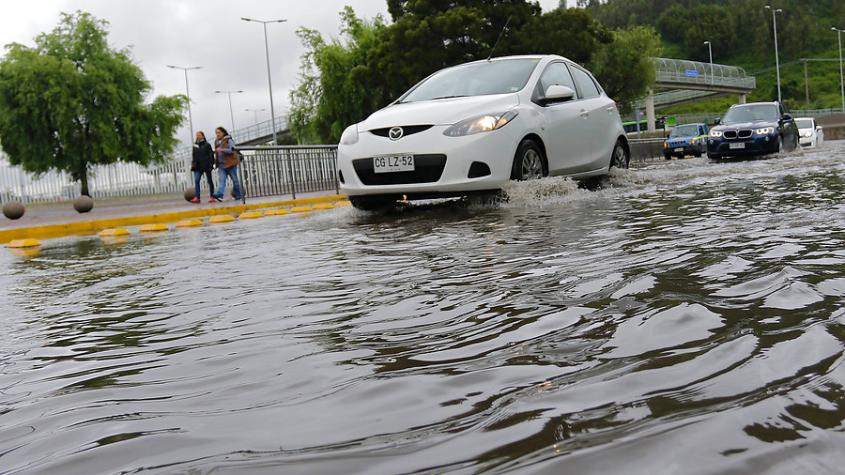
x=266, y=171
x=283, y=170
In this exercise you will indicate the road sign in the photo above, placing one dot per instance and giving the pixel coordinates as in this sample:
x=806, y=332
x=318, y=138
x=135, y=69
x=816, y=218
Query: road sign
x=692, y=73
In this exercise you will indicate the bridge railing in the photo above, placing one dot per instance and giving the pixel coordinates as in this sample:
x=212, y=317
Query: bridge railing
x=697, y=73
x=261, y=129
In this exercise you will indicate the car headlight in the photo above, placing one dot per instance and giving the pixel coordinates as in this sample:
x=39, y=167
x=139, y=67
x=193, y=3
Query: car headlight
x=476, y=125
x=765, y=131
x=716, y=133
x=808, y=134
x=694, y=141
x=350, y=135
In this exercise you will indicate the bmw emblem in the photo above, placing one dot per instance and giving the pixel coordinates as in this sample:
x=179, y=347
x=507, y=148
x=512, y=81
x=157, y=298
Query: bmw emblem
x=396, y=133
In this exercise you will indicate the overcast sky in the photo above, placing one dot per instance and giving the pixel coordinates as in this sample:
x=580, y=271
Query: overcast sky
x=205, y=33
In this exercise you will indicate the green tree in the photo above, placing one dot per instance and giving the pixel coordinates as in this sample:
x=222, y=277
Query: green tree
x=624, y=67
x=71, y=102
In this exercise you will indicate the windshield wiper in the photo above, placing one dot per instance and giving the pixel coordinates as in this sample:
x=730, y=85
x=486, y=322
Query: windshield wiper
x=445, y=97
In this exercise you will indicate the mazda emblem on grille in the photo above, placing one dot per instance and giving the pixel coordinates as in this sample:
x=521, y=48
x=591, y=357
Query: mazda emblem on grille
x=396, y=133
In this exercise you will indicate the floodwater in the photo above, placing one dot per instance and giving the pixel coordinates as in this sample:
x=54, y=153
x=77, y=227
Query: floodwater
x=688, y=317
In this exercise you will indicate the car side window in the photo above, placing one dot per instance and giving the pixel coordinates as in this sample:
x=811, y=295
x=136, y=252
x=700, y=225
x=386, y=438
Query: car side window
x=556, y=75
x=586, y=87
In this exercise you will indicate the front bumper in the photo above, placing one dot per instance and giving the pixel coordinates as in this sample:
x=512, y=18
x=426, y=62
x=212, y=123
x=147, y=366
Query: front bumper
x=442, y=164
x=754, y=145
x=682, y=149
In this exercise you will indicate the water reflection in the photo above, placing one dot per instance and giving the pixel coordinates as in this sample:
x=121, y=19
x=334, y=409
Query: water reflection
x=684, y=314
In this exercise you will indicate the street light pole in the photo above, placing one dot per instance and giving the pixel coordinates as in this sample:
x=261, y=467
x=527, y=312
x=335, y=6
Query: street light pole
x=188, y=94
x=231, y=114
x=269, y=79
x=839, y=32
x=255, y=113
x=710, y=49
x=777, y=56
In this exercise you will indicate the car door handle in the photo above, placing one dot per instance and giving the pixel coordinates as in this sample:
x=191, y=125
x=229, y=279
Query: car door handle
x=584, y=113
x=611, y=109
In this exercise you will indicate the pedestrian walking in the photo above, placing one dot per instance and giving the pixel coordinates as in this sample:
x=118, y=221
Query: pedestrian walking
x=201, y=164
x=227, y=163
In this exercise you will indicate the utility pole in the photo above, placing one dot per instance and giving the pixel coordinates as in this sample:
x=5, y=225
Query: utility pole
x=255, y=113
x=188, y=94
x=269, y=78
x=839, y=32
x=777, y=55
x=231, y=114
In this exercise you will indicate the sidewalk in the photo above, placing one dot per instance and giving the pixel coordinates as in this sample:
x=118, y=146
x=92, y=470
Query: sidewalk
x=60, y=219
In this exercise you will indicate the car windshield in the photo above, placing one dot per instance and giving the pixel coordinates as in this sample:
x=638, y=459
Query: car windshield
x=755, y=113
x=684, y=131
x=475, y=79
x=804, y=123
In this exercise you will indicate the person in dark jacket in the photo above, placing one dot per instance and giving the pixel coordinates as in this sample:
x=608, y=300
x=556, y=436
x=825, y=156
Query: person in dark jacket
x=202, y=164
x=227, y=163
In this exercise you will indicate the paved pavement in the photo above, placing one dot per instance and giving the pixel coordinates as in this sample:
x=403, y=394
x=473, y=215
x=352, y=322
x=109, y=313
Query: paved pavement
x=56, y=213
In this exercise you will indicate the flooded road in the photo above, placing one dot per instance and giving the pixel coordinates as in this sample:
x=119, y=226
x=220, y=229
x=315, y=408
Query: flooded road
x=689, y=317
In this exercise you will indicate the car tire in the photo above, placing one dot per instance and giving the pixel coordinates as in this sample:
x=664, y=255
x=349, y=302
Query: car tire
x=667, y=156
x=529, y=163
x=697, y=154
x=713, y=156
x=778, y=145
x=371, y=203
x=620, y=158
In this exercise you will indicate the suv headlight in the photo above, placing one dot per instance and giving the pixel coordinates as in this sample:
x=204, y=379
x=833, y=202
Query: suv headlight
x=765, y=131
x=476, y=125
x=350, y=135
x=716, y=133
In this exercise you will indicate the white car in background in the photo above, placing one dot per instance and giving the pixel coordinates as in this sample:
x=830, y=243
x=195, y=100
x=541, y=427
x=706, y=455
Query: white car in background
x=473, y=127
x=810, y=133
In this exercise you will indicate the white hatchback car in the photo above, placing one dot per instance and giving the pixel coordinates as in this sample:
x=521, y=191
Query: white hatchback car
x=810, y=133
x=473, y=127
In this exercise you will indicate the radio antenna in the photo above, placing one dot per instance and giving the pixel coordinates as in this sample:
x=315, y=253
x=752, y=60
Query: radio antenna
x=501, y=34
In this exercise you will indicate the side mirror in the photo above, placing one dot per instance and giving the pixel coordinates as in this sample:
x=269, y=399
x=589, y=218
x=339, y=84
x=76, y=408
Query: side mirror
x=787, y=117
x=717, y=121
x=556, y=93
x=819, y=128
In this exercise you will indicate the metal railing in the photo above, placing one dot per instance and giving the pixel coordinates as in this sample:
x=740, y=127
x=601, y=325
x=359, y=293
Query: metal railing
x=266, y=171
x=674, y=71
x=259, y=130
x=283, y=170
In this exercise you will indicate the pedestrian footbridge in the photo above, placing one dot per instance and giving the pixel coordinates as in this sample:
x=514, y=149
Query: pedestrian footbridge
x=680, y=81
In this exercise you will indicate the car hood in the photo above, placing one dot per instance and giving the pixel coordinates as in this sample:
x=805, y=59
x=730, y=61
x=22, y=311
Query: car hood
x=746, y=125
x=438, y=112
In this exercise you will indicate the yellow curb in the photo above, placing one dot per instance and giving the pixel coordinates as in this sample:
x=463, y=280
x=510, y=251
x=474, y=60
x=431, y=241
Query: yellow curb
x=251, y=215
x=343, y=203
x=113, y=232
x=154, y=228
x=27, y=251
x=189, y=223
x=23, y=243
x=301, y=209
x=225, y=218
x=94, y=226
x=277, y=212
x=323, y=206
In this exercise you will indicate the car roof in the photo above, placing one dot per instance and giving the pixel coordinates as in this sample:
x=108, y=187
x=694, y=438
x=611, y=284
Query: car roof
x=520, y=56
x=691, y=123
x=755, y=104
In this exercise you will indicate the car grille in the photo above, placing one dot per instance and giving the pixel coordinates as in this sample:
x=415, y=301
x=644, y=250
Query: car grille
x=729, y=134
x=427, y=169
x=407, y=130
x=744, y=134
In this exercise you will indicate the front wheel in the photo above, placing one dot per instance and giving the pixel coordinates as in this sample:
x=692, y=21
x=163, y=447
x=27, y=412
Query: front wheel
x=528, y=164
x=620, y=158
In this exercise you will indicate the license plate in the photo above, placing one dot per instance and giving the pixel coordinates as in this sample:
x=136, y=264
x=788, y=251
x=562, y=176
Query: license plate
x=679, y=150
x=393, y=163
x=737, y=145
